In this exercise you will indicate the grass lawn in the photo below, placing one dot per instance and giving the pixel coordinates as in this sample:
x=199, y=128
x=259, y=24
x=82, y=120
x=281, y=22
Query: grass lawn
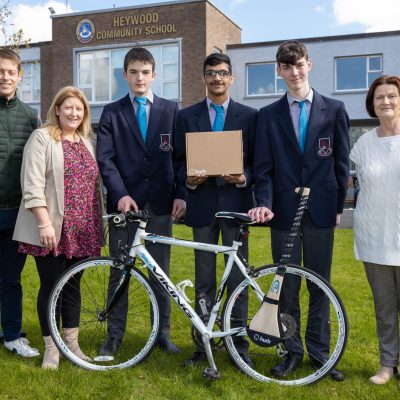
x=161, y=376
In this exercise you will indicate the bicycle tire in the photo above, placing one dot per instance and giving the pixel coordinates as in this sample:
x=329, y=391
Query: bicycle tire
x=142, y=319
x=265, y=358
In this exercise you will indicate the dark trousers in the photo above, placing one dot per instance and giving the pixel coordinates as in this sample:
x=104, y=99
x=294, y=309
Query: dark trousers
x=50, y=268
x=314, y=245
x=11, y=265
x=160, y=225
x=206, y=275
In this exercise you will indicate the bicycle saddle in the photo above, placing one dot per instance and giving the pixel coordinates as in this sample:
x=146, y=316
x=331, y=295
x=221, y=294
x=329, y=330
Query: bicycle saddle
x=239, y=218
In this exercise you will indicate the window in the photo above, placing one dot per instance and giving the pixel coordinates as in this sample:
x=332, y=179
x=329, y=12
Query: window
x=29, y=88
x=262, y=79
x=355, y=73
x=100, y=73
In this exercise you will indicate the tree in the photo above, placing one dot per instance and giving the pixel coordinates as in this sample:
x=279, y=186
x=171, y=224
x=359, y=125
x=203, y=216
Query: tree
x=11, y=40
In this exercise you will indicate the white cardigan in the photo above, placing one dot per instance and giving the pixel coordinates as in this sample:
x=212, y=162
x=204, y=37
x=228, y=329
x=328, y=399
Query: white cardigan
x=377, y=215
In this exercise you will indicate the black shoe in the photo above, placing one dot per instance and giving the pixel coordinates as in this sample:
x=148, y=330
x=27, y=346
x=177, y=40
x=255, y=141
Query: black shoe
x=245, y=357
x=337, y=375
x=196, y=359
x=110, y=347
x=334, y=373
x=166, y=345
x=286, y=367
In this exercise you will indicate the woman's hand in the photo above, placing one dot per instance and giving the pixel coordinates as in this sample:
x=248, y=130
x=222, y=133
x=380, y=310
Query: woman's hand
x=48, y=238
x=47, y=234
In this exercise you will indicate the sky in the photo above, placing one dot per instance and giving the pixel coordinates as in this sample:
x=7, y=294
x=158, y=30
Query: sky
x=260, y=20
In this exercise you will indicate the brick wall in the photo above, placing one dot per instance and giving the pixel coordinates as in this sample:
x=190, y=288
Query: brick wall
x=198, y=24
x=220, y=30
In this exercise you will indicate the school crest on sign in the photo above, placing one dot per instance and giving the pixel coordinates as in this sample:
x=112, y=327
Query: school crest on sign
x=85, y=30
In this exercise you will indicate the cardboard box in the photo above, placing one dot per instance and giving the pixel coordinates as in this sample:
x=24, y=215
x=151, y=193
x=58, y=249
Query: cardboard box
x=214, y=153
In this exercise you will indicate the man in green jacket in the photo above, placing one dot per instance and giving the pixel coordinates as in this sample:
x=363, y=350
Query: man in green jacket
x=17, y=121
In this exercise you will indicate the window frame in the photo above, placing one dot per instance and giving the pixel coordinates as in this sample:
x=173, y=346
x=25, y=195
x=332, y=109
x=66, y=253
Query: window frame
x=127, y=46
x=276, y=78
x=31, y=64
x=367, y=71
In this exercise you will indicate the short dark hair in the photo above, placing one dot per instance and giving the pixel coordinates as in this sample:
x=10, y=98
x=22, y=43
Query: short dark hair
x=214, y=59
x=139, y=54
x=11, y=55
x=291, y=51
x=382, y=80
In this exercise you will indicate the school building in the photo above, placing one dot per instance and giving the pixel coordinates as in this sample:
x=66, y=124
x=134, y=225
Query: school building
x=343, y=68
x=87, y=50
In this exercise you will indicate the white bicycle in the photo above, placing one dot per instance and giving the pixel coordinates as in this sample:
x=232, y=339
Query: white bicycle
x=266, y=326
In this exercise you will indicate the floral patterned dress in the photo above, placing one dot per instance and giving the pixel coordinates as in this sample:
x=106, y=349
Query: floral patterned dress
x=81, y=229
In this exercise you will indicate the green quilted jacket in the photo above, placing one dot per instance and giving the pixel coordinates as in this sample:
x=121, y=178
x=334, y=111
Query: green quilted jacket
x=17, y=122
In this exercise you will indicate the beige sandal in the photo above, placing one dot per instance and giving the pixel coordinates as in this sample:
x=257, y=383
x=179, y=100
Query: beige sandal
x=382, y=376
x=71, y=340
x=51, y=354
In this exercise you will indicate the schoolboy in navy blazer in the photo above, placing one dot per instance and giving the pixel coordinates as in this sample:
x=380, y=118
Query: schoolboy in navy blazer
x=131, y=167
x=215, y=194
x=137, y=167
x=207, y=195
x=281, y=165
x=324, y=166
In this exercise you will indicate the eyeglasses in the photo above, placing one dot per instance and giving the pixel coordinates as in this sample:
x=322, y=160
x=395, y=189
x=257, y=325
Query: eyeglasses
x=223, y=74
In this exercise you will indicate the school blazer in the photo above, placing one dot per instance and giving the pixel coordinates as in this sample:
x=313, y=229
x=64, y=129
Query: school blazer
x=131, y=167
x=216, y=194
x=280, y=167
x=42, y=182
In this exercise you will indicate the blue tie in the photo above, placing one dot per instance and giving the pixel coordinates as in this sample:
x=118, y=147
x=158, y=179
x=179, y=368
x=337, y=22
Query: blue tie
x=303, y=122
x=141, y=116
x=219, y=117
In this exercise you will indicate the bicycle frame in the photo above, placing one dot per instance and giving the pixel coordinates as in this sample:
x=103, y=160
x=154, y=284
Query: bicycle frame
x=138, y=250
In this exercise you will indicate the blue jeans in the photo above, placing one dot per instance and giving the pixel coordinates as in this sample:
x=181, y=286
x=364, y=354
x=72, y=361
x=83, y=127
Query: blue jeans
x=11, y=265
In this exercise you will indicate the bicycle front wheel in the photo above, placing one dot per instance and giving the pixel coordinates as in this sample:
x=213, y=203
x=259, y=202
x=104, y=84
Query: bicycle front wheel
x=319, y=348
x=84, y=290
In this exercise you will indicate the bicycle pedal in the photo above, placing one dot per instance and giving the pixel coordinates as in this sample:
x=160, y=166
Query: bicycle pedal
x=211, y=374
x=281, y=350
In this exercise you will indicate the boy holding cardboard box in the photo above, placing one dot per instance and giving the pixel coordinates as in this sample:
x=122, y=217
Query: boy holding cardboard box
x=208, y=195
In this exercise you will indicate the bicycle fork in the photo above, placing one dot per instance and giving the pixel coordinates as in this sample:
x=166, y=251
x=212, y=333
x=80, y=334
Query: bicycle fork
x=116, y=295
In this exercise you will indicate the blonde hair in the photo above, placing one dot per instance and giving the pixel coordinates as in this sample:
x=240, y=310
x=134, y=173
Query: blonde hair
x=53, y=122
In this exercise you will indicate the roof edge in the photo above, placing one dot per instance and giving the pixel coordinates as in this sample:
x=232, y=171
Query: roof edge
x=318, y=39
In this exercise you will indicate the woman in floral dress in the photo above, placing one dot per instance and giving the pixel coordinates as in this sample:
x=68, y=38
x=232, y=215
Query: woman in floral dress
x=59, y=218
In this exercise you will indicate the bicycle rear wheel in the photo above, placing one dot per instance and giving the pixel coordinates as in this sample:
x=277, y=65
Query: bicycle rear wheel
x=85, y=288
x=313, y=367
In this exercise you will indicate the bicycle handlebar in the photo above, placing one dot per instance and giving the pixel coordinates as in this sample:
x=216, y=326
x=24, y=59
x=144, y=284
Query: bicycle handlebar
x=129, y=216
x=143, y=215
